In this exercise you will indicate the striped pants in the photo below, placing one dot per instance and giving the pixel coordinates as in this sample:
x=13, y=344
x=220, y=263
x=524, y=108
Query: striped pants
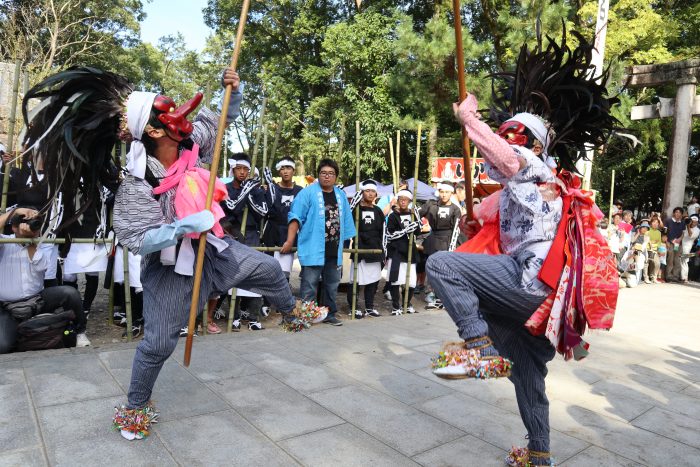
x=483, y=295
x=167, y=296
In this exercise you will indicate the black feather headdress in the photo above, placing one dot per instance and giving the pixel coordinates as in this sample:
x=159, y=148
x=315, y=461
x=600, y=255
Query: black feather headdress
x=558, y=84
x=71, y=131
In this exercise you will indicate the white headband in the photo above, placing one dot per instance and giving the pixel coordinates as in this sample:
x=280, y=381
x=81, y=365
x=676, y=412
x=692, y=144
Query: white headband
x=405, y=194
x=368, y=186
x=541, y=130
x=445, y=187
x=138, y=111
x=285, y=163
x=233, y=163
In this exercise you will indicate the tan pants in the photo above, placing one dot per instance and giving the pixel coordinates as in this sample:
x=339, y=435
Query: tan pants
x=673, y=263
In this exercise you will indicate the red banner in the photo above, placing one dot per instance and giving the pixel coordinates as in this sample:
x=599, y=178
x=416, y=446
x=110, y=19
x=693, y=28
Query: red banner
x=450, y=168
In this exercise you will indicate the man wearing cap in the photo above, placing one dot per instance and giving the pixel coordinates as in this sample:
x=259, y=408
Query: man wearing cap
x=322, y=217
x=244, y=192
x=279, y=199
x=370, y=236
x=443, y=218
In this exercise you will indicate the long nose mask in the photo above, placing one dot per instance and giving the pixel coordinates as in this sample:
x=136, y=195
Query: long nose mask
x=513, y=132
x=175, y=118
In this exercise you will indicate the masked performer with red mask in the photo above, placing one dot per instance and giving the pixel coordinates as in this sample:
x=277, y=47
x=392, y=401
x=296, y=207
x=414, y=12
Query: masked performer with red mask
x=547, y=272
x=159, y=205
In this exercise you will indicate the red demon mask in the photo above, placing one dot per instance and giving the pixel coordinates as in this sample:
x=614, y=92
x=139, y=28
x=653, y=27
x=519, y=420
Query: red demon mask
x=513, y=132
x=175, y=118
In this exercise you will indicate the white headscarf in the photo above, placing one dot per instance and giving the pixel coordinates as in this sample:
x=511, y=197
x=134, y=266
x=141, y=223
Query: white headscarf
x=538, y=127
x=138, y=110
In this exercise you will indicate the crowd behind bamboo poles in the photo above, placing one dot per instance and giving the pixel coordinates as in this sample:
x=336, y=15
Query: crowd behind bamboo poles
x=261, y=135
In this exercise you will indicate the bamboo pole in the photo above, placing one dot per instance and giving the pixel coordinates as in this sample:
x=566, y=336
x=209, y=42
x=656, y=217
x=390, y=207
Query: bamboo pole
x=278, y=133
x=194, y=305
x=612, y=194
x=466, y=150
x=244, y=219
x=394, y=178
x=411, y=237
x=10, y=134
x=264, y=162
x=398, y=155
x=127, y=295
x=341, y=138
x=357, y=220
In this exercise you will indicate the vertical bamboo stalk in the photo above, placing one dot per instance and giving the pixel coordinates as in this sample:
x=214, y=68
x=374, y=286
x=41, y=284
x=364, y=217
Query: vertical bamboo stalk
x=341, y=139
x=612, y=195
x=224, y=162
x=264, y=161
x=11, y=134
x=127, y=295
x=357, y=220
x=394, y=178
x=278, y=133
x=411, y=237
x=398, y=155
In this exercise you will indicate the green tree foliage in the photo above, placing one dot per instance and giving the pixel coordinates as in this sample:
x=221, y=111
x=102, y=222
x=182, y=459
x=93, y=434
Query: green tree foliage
x=322, y=64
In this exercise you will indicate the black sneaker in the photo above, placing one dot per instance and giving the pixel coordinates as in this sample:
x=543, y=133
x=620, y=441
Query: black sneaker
x=265, y=311
x=372, y=312
x=333, y=321
x=255, y=326
x=236, y=326
x=183, y=332
x=397, y=311
x=358, y=314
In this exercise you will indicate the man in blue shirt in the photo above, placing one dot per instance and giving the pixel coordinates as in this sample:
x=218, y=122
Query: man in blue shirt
x=321, y=215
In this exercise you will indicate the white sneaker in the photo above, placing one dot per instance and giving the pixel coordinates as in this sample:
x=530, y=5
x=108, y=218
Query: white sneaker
x=265, y=311
x=255, y=326
x=410, y=309
x=387, y=295
x=397, y=311
x=82, y=340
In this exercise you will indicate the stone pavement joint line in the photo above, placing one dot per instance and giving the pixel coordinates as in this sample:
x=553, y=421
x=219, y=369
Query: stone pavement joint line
x=363, y=394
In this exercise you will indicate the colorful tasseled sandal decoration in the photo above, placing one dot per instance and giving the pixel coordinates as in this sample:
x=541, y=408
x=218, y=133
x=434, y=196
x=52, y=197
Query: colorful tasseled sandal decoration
x=304, y=315
x=457, y=362
x=134, y=423
x=523, y=457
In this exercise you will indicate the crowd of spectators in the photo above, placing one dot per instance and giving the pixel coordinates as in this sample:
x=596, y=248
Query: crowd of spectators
x=651, y=250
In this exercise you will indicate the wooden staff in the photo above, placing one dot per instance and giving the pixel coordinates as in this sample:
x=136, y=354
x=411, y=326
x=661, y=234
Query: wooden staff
x=357, y=219
x=10, y=135
x=194, y=305
x=466, y=151
x=411, y=237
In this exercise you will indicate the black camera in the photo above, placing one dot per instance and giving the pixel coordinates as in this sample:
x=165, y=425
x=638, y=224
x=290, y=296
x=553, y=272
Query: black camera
x=34, y=223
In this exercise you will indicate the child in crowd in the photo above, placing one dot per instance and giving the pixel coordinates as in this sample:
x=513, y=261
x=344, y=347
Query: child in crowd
x=662, y=257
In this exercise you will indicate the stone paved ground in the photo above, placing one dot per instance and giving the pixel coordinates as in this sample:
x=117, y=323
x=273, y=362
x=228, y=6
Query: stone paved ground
x=363, y=395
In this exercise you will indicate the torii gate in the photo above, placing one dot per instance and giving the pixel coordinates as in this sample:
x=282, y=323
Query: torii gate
x=684, y=75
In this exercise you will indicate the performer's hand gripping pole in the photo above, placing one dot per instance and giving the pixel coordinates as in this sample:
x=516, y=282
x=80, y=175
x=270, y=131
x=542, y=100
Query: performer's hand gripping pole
x=466, y=151
x=194, y=305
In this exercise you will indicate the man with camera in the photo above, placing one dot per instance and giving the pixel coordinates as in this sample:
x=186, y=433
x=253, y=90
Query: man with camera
x=22, y=295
